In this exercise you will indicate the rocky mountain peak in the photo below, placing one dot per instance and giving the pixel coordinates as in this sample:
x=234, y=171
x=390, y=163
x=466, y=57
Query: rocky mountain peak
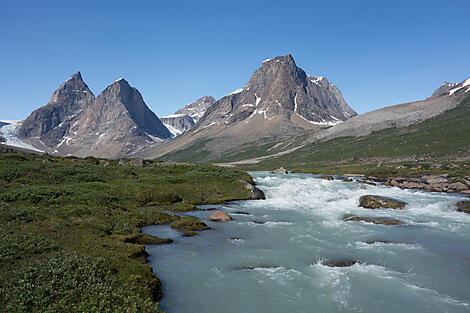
x=279, y=88
x=197, y=108
x=443, y=89
x=51, y=122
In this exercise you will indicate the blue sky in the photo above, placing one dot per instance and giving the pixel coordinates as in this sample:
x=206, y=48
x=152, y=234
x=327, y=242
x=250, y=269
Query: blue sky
x=378, y=53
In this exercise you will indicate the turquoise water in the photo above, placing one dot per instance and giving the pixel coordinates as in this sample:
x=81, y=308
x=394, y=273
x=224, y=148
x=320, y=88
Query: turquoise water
x=271, y=260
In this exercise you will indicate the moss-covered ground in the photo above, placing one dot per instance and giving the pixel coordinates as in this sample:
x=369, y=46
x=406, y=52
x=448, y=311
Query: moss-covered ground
x=70, y=228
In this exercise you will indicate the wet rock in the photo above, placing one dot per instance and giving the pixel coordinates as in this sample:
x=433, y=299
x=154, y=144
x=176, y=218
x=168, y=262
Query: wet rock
x=339, y=263
x=136, y=162
x=258, y=222
x=376, y=202
x=241, y=213
x=367, y=182
x=348, y=180
x=256, y=193
x=220, y=217
x=280, y=170
x=412, y=185
x=375, y=220
x=463, y=206
x=326, y=177
x=209, y=209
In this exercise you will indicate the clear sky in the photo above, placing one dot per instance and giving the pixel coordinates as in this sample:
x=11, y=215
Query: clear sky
x=378, y=53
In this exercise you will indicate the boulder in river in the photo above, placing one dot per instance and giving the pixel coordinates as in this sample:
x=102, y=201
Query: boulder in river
x=375, y=220
x=326, y=177
x=256, y=193
x=339, y=263
x=463, y=206
x=280, y=170
x=376, y=202
x=220, y=217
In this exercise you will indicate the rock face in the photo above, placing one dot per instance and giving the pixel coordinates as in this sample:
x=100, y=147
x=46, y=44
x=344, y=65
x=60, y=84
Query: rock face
x=197, y=108
x=74, y=122
x=220, y=217
x=339, y=263
x=279, y=87
x=377, y=202
x=463, y=206
x=178, y=123
x=443, y=89
x=51, y=122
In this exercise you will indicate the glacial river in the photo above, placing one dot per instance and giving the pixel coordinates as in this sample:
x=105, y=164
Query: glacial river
x=271, y=260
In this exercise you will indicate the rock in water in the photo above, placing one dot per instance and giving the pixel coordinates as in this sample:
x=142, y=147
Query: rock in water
x=280, y=170
x=377, y=202
x=327, y=177
x=256, y=193
x=463, y=206
x=375, y=220
x=340, y=263
x=220, y=217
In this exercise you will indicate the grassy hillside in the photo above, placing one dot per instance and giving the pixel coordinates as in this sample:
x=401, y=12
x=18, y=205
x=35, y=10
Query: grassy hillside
x=442, y=139
x=69, y=229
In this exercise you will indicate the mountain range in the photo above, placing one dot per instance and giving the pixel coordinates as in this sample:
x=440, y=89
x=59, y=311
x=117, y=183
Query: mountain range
x=281, y=109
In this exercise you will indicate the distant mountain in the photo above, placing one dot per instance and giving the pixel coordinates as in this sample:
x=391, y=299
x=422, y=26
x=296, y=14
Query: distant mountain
x=197, y=108
x=279, y=101
x=114, y=124
x=177, y=123
x=442, y=90
x=185, y=118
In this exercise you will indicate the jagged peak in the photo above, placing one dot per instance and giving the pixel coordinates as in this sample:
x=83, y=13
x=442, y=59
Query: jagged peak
x=284, y=59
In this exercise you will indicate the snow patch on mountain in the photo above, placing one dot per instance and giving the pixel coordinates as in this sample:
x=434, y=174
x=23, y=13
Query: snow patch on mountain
x=9, y=131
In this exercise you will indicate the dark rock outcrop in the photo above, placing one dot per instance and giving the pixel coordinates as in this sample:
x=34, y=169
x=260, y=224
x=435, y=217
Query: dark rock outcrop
x=339, y=263
x=256, y=193
x=378, y=202
x=443, y=90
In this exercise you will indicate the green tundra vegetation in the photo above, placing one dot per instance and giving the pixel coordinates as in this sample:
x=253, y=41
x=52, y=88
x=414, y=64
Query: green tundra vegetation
x=70, y=228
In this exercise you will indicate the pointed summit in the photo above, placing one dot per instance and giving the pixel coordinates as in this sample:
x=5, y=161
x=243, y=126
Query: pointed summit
x=51, y=122
x=280, y=89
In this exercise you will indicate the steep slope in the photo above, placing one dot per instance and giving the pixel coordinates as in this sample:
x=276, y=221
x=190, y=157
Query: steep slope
x=279, y=101
x=197, y=108
x=50, y=123
x=117, y=123
x=177, y=123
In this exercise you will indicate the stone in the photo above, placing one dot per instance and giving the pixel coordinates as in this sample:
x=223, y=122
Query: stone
x=463, y=206
x=458, y=187
x=136, y=162
x=280, y=170
x=326, y=177
x=367, y=182
x=340, y=263
x=375, y=220
x=348, y=180
x=256, y=193
x=435, y=179
x=122, y=162
x=220, y=217
x=376, y=202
